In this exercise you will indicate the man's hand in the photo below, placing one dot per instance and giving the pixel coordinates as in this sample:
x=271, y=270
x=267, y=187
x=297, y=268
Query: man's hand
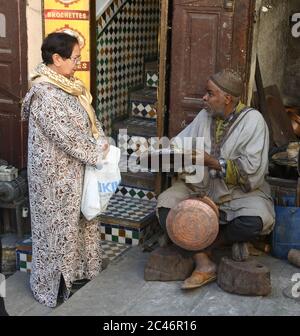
x=209, y=161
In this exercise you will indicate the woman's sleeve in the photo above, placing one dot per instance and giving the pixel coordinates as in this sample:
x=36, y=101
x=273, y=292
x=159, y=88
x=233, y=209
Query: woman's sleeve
x=55, y=123
x=99, y=127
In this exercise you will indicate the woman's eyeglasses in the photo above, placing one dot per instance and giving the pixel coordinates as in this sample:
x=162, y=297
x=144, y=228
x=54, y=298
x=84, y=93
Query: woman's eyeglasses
x=76, y=59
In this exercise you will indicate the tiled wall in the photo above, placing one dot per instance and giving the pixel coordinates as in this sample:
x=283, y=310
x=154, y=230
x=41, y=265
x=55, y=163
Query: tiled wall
x=129, y=38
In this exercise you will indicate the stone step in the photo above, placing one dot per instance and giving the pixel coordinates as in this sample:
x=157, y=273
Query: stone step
x=151, y=74
x=138, y=180
x=143, y=103
x=128, y=220
x=133, y=143
x=134, y=139
x=136, y=126
x=133, y=176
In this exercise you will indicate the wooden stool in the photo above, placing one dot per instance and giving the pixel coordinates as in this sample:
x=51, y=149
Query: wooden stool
x=246, y=278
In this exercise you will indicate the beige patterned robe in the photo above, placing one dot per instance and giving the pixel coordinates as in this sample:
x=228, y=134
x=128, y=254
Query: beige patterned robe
x=59, y=146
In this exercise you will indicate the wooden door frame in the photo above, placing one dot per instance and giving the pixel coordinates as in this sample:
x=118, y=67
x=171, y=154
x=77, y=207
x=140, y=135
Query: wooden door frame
x=251, y=51
x=253, y=45
x=163, y=54
x=162, y=75
x=93, y=52
x=24, y=81
x=23, y=49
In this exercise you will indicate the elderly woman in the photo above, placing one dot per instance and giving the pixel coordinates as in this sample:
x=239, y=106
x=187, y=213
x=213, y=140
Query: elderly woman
x=63, y=137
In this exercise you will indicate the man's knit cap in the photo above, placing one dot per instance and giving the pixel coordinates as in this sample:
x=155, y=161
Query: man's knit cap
x=228, y=81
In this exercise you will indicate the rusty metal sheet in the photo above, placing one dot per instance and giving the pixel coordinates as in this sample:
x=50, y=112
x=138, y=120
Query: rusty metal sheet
x=281, y=125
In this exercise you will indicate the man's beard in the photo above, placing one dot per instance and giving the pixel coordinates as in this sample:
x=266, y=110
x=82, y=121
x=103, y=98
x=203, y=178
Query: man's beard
x=214, y=113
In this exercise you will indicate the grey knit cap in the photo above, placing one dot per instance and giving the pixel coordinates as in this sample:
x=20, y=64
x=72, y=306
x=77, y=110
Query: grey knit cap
x=229, y=81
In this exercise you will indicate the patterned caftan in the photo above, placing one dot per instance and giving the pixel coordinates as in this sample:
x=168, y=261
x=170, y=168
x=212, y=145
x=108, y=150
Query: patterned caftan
x=60, y=144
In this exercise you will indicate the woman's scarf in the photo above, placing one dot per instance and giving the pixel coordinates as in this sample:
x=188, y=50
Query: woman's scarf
x=73, y=86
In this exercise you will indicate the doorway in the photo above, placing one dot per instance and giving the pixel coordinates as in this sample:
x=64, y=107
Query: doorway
x=13, y=81
x=207, y=36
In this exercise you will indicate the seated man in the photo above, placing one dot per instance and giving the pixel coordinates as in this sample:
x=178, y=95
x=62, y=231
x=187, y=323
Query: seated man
x=236, y=144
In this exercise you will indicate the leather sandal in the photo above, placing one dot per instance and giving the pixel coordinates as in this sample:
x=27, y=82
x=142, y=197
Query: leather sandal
x=198, y=279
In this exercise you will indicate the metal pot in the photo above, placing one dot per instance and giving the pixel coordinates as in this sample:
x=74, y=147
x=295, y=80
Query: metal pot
x=13, y=190
x=295, y=120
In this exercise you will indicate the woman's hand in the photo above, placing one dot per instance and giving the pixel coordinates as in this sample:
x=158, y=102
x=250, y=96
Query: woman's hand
x=106, y=148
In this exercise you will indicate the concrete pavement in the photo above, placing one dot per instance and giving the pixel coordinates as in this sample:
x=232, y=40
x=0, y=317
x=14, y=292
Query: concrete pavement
x=121, y=290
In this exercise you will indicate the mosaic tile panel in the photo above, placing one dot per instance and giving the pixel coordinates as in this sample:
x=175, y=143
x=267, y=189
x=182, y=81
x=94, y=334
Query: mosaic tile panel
x=130, y=209
x=152, y=79
x=109, y=13
x=135, y=145
x=136, y=193
x=120, y=234
x=125, y=235
x=24, y=255
x=122, y=47
x=144, y=110
x=111, y=250
x=23, y=260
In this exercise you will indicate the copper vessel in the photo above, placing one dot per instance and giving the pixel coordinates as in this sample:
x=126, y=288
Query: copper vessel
x=194, y=223
x=293, y=114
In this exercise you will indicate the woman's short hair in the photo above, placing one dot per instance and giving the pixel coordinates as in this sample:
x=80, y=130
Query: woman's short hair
x=57, y=43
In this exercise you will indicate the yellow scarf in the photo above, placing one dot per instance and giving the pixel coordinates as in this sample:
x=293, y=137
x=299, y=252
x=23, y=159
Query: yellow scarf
x=221, y=123
x=73, y=86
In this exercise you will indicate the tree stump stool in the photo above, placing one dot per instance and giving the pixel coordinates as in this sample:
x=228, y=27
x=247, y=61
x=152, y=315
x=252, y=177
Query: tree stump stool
x=294, y=257
x=168, y=264
x=246, y=278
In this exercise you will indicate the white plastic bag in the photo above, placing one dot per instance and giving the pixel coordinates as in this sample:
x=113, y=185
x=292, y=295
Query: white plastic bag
x=100, y=184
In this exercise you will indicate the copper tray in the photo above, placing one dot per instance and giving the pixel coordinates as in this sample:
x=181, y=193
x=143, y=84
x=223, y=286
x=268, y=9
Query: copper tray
x=282, y=159
x=193, y=224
